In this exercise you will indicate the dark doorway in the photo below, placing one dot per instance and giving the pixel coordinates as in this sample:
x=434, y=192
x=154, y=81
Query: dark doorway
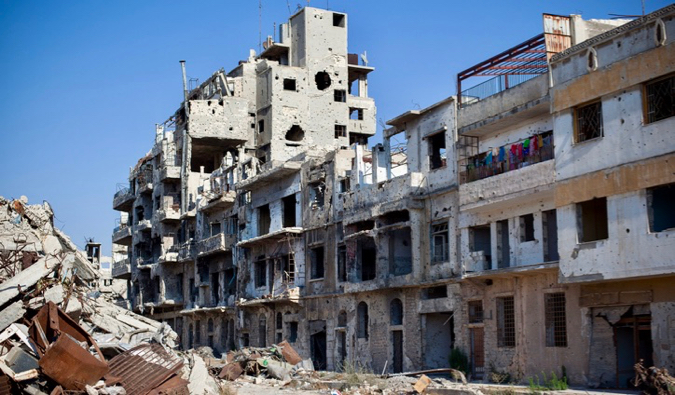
x=633, y=337
x=438, y=340
x=477, y=352
x=341, y=336
x=289, y=211
x=318, y=350
x=503, y=248
x=397, y=339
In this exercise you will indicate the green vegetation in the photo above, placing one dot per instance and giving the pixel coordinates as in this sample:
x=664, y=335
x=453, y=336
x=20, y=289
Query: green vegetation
x=548, y=384
x=458, y=360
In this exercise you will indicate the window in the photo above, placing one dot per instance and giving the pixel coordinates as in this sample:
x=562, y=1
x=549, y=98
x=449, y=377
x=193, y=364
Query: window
x=475, y=311
x=264, y=220
x=396, y=312
x=261, y=126
x=506, y=322
x=592, y=220
x=289, y=84
x=342, y=263
x=356, y=114
x=287, y=267
x=480, y=240
x=439, y=242
x=362, y=328
x=340, y=131
x=260, y=273
x=262, y=331
x=293, y=329
x=340, y=95
x=556, y=323
x=437, y=155
x=660, y=207
x=527, y=227
x=660, y=99
x=279, y=321
x=289, y=211
x=215, y=228
x=317, y=261
x=438, y=292
x=588, y=121
x=316, y=195
x=338, y=20
x=198, y=332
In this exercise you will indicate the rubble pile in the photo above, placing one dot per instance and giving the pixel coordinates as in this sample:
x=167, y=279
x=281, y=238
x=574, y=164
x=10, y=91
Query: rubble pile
x=57, y=334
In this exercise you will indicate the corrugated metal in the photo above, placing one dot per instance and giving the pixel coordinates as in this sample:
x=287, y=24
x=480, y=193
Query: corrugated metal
x=143, y=368
x=557, y=34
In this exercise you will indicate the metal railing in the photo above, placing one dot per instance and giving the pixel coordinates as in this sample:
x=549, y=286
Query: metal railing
x=492, y=87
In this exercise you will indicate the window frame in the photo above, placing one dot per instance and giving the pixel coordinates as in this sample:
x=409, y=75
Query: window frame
x=506, y=325
x=555, y=320
x=576, y=118
x=645, y=97
x=441, y=229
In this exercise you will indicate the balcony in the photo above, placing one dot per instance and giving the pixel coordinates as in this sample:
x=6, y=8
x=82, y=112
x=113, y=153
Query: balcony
x=143, y=225
x=122, y=235
x=122, y=269
x=169, y=173
x=145, y=263
x=272, y=170
x=169, y=256
x=277, y=235
x=123, y=200
x=187, y=251
x=215, y=244
x=218, y=201
x=168, y=214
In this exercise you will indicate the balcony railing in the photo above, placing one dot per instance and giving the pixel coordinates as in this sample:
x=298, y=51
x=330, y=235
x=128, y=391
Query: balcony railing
x=169, y=213
x=121, y=269
x=493, y=86
x=122, y=234
x=217, y=243
x=123, y=199
x=510, y=157
x=186, y=251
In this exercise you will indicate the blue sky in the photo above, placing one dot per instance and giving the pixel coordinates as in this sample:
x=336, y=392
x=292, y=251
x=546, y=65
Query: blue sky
x=84, y=82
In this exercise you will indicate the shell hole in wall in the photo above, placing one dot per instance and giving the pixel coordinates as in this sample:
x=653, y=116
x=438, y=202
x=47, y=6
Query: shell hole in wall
x=322, y=80
x=295, y=133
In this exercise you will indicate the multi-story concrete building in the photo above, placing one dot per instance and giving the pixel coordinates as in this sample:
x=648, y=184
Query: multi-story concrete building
x=523, y=221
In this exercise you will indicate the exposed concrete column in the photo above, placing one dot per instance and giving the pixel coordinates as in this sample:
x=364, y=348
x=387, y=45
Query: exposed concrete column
x=379, y=164
x=359, y=168
x=363, y=86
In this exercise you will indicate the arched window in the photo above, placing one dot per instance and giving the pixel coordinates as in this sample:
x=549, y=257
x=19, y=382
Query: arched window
x=262, y=331
x=396, y=312
x=362, y=328
x=209, y=325
x=280, y=322
x=342, y=318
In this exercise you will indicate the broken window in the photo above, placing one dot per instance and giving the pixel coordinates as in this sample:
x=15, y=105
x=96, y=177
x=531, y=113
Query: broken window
x=588, y=121
x=280, y=320
x=592, y=220
x=358, y=138
x=394, y=217
x=400, y=251
x=316, y=195
x=437, y=292
x=262, y=331
x=317, y=261
x=503, y=244
x=342, y=319
x=293, y=331
x=264, y=220
x=475, y=311
x=437, y=154
x=480, y=241
x=340, y=95
x=215, y=228
x=260, y=273
x=338, y=20
x=322, y=80
x=527, y=227
x=356, y=114
x=342, y=263
x=550, y=230
x=556, y=322
x=660, y=103
x=506, y=322
x=289, y=211
x=344, y=185
x=261, y=126
x=660, y=207
x=340, y=131
x=289, y=84
x=368, y=257
x=215, y=289
x=287, y=263
x=439, y=242
x=362, y=327
x=295, y=133
x=396, y=312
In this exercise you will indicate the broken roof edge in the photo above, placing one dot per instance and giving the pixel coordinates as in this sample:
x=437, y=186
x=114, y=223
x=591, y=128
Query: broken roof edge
x=412, y=114
x=635, y=24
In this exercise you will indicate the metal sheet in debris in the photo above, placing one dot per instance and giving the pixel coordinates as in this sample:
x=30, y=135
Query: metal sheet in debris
x=143, y=368
x=70, y=365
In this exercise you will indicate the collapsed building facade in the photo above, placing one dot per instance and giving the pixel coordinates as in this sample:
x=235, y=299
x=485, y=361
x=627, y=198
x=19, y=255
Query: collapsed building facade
x=524, y=220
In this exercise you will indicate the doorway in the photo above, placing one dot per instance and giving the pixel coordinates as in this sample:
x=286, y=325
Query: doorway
x=397, y=340
x=477, y=352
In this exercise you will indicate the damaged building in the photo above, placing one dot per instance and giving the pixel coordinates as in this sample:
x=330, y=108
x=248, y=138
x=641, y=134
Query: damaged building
x=524, y=220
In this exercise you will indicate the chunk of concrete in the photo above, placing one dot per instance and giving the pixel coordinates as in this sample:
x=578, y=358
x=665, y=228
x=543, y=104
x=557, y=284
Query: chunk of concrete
x=422, y=383
x=201, y=381
x=11, y=314
x=54, y=294
x=290, y=355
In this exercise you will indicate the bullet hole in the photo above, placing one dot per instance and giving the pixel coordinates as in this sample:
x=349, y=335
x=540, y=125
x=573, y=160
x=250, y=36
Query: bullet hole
x=622, y=121
x=618, y=44
x=208, y=103
x=322, y=80
x=627, y=230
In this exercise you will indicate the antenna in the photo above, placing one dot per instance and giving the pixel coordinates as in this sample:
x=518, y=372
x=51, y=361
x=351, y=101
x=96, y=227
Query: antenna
x=288, y=4
x=259, y=26
x=643, y=7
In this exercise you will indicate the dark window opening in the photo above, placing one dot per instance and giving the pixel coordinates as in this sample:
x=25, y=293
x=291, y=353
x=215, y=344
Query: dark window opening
x=289, y=211
x=264, y=220
x=556, y=322
x=356, y=114
x=260, y=273
x=338, y=20
x=660, y=207
x=394, y=217
x=246, y=339
x=340, y=131
x=280, y=321
x=342, y=263
x=289, y=84
x=506, y=322
x=400, y=251
x=396, y=312
x=317, y=262
x=344, y=185
x=438, y=292
x=340, y=95
x=588, y=120
x=480, y=241
x=437, y=154
x=439, y=243
x=363, y=225
x=262, y=332
x=295, y=133
x=660, y=99
x=368, y=259
x=293, y=329
x=550, y=225
x=261, y=126
x=527, y=227
x=503, y=244
x=215, y=289
x=357, y=138
x=215, y=228
x=592, y=219
x=362, y=327
x=316, y=195
x=198, y=332
x=322, y=80
x=475, y=311
x=342, y=319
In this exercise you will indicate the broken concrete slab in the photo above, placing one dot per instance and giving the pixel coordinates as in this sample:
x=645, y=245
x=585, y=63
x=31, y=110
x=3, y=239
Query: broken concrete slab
x=231, y=371
x=54, y=294
x=27, y=278
x=201, y=381
x=11, y=314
